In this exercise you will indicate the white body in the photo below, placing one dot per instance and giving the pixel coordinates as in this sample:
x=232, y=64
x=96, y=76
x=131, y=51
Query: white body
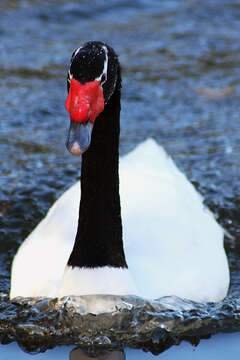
x=172, y=243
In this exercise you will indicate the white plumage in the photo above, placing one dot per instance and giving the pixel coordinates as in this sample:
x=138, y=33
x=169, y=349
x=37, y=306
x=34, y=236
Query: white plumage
x=172, y=243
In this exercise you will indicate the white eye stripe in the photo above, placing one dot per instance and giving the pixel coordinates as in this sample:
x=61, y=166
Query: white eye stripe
x=105, y=67
x=76, y=51
x=70, y=76
x=105, y=62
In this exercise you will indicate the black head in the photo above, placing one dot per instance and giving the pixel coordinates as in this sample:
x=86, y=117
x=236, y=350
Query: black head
x=95, y=60
x=93, y=76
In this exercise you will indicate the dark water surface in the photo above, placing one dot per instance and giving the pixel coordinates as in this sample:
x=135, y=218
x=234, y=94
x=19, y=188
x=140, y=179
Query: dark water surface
x=181, y=85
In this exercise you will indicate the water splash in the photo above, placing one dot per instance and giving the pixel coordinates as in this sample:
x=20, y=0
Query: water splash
x=43, y=323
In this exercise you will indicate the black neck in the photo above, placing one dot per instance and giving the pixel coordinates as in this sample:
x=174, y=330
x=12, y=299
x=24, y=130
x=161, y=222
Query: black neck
x=99, y=236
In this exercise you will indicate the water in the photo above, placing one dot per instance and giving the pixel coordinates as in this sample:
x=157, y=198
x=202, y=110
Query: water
x=181, y=77
x=219, y=347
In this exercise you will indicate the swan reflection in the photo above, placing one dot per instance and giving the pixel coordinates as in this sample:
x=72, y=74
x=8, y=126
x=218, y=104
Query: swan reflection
x=80, y=354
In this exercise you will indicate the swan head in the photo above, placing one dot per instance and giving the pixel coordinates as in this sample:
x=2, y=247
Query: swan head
x=92, y=79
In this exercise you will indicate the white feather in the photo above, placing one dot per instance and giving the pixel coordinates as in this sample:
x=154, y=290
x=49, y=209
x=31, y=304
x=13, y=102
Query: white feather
x=101, y=280
x=173, y=244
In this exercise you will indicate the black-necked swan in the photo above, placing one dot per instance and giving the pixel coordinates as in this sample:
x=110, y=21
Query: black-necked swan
x=171, y=244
